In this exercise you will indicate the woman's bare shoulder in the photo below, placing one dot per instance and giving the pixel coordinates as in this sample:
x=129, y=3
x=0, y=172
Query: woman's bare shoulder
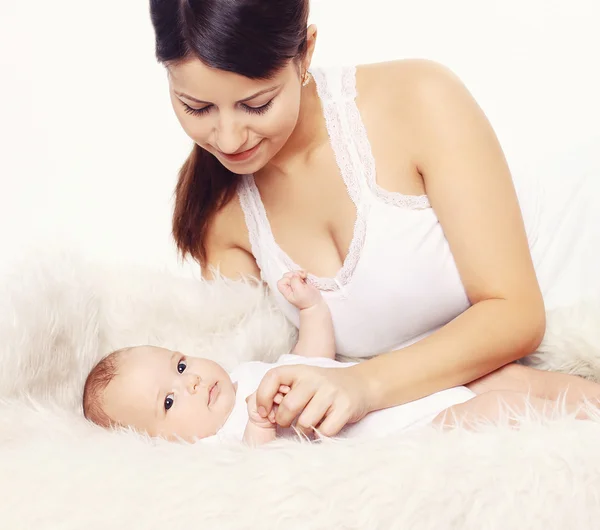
x=227, y=244
x=399, y=85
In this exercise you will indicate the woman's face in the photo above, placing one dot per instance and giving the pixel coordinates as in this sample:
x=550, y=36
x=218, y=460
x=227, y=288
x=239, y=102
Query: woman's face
x=243, y=122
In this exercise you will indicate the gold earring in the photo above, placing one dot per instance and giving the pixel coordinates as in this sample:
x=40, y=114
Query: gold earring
x=306, y=79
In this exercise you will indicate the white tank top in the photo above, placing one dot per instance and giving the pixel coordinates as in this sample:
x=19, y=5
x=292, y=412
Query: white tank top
x=399, y=281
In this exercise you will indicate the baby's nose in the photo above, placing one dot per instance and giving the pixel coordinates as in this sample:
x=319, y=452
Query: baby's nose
x=193, y=383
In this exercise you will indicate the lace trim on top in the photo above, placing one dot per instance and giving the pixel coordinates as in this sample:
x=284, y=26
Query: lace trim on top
x=340, y=137
x=353, y=155
x=256, y=215
x=363, y=147
x=247, y=202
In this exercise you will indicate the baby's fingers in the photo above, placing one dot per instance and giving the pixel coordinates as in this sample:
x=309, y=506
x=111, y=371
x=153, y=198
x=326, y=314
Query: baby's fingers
x=285, y=287
x=298, y=283
x=273, y=413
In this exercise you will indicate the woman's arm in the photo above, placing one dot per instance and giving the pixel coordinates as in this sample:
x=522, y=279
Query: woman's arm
x=227, y=245
x=470, y=188
x=228, y=252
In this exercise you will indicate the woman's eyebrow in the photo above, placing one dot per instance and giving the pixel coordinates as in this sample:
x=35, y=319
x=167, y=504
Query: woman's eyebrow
x=201, y=102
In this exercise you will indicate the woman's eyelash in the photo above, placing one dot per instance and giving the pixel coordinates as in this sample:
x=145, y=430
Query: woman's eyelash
x=258, y=110
x=204, y=110
x=195, y=112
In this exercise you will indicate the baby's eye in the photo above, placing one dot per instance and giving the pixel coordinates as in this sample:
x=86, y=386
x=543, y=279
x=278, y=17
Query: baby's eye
x=169, y=400
x=181, y=366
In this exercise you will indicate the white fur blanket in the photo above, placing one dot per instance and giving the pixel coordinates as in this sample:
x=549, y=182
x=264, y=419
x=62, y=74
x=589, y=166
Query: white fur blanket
x=59, y=472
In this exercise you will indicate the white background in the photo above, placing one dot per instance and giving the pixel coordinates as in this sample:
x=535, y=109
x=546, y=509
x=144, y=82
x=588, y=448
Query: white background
x=90, y=148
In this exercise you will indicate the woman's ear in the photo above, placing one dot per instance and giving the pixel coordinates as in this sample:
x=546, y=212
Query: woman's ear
x=311, y=40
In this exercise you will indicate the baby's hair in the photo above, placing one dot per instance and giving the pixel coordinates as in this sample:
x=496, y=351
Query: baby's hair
x=95, y=385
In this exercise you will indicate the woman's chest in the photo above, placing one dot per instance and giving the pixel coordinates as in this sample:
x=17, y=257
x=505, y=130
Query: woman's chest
x=315, y=213
x=404, y=285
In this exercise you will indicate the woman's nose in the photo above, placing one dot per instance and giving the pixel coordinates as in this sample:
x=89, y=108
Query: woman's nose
x=230, y=137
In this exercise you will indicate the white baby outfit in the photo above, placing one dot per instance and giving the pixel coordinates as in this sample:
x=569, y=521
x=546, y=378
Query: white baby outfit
x=380, y=423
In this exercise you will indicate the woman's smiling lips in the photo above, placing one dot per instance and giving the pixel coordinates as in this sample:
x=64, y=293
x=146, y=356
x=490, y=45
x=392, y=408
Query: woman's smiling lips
x=243, y=156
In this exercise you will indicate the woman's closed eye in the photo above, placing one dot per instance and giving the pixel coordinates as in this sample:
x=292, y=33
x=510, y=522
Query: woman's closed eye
x=195, y=112
x=262, y=109
x=258, y=110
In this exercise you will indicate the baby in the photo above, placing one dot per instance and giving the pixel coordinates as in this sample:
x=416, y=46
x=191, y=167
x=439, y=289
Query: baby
x=166, y=394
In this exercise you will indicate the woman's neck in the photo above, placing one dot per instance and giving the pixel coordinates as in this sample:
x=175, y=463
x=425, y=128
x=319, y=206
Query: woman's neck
x=309, y=134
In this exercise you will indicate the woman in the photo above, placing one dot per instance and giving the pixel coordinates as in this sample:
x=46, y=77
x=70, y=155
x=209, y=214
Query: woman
x=385, y=182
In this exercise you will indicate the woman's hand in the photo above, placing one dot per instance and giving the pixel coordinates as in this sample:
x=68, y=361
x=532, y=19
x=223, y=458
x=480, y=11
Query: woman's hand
x=322, y=398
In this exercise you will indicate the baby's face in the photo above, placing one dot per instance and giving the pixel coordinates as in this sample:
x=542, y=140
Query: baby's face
x=167, y=394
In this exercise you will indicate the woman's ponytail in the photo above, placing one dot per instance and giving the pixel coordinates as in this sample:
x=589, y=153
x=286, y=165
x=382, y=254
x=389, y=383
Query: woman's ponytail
x=203, y=188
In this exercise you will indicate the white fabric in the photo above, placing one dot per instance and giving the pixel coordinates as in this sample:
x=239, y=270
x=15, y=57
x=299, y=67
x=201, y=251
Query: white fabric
x=399, y=281
x=384, y=422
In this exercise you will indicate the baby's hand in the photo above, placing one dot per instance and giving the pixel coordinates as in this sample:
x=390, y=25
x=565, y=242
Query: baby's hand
x=298, y=291
x=259, y=430
x=256, y=418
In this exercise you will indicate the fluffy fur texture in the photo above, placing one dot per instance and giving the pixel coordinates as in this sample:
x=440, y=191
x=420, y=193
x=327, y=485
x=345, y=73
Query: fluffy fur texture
x=572, y=342
x=57, y=470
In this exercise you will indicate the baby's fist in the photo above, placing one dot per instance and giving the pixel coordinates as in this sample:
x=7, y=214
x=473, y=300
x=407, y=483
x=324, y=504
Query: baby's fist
x=253, y=414
x=298, y=291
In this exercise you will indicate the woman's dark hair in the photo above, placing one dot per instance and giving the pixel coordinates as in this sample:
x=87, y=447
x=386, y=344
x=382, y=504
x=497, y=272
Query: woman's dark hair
x=253, y=38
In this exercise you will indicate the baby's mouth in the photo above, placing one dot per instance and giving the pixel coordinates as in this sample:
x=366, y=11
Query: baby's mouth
x=213, y=394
